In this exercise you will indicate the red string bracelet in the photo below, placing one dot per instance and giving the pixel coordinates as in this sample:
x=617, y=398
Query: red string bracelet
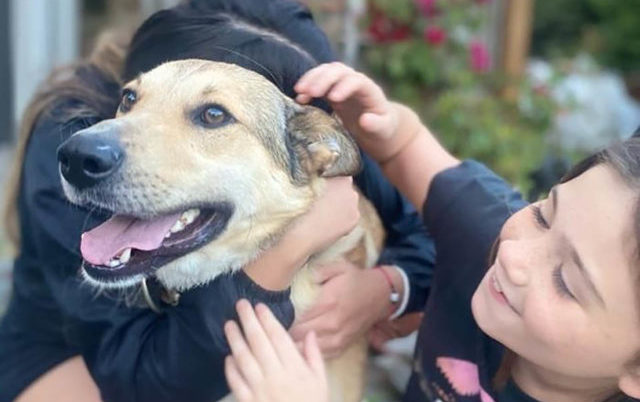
x=394, y=296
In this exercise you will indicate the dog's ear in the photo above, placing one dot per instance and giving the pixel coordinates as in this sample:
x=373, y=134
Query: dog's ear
x=319, y=145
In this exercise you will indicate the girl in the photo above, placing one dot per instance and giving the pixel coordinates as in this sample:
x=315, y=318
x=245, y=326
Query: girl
x=554, y=314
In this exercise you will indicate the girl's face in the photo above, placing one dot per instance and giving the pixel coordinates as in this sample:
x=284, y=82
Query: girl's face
x=562, y=290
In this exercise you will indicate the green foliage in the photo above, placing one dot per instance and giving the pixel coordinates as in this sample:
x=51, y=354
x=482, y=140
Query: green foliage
x=610, y=30
x=476, y=124
x=619, y=27
x=460, y=104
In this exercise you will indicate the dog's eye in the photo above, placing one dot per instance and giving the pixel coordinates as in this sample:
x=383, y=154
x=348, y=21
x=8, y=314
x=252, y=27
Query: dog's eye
x=212, y=116
x=129, y=97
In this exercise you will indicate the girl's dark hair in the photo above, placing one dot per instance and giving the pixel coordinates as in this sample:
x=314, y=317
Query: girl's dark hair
x=275, y=38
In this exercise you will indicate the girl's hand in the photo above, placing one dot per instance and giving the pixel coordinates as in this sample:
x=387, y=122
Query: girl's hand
x=350, y=302
x=361, y=105
x=265, y=364
x=332, y=216
x=384, y=331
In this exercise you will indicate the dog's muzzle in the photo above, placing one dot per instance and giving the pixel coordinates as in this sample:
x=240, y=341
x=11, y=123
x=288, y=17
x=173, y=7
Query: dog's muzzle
x=91, y=155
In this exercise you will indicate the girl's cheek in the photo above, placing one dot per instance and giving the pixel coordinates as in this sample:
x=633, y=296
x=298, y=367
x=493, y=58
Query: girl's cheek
x=550, y=322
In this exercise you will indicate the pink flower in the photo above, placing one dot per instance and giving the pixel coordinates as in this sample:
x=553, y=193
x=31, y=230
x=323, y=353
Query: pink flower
x=384, y=30
x=479, y=57
x=435, y=35
x=427, y=7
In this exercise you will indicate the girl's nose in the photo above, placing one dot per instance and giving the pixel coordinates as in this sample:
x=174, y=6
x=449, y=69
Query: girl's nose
x=515, y=258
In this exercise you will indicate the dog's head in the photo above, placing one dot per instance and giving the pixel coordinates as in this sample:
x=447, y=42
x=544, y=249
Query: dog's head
x=204, y=164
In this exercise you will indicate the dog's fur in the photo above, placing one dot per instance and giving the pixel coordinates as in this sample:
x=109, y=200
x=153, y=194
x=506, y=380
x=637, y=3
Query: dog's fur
x=268, y=162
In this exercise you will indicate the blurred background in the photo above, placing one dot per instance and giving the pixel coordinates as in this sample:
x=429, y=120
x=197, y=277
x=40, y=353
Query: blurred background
x=526, y=86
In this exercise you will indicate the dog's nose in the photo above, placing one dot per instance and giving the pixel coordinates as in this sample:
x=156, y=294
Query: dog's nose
x=90, y=156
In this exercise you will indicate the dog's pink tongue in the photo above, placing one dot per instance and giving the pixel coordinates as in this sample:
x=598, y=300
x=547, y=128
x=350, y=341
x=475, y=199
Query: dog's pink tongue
x=106, y=241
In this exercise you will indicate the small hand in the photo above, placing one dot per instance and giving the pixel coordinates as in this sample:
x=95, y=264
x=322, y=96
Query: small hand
x=358, y=101
x=351, y=300
x=265, y=365
x=332, y=216
x=384, y=331
x=314, y=231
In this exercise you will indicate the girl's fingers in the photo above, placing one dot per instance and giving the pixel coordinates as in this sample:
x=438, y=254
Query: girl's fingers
x=237, y=384
x=308, y=319
x=329, y=271
x=260, y=345
x=319, y=82
x=322, y=324
x=345, y=88
x=303, y=99
x=245, y=362
x=310, y=76
x=313, y=355
x=331, y=345
x=377, y=340
x=280, y=339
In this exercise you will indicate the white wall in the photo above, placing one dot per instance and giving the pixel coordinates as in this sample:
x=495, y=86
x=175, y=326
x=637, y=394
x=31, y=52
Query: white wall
x=45, y=35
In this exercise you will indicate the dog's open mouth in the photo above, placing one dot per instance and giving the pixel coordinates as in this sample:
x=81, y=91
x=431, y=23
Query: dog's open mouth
x=124, y=247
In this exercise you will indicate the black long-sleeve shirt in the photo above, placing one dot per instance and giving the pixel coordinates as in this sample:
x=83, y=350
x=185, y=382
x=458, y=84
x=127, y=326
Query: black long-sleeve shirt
x=454, y=360
x=132, y=353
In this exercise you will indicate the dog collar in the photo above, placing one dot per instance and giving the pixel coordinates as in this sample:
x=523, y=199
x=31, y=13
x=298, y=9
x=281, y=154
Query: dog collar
x=156, y=295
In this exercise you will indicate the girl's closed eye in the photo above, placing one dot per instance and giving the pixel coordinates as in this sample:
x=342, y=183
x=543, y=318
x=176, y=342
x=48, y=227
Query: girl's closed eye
x=540, y=220
x=560, y=285
x=558, y=281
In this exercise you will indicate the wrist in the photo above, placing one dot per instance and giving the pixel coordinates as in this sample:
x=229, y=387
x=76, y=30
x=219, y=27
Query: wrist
x=275, y=268
x=378, y=288
x=404, y=293
x=405, y=131
x=394, y=290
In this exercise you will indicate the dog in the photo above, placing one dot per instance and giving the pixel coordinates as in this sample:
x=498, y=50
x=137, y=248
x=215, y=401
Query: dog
x=205, y=165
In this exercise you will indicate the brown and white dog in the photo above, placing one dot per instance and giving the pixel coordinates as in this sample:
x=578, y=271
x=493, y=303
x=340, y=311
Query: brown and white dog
x=205, y=165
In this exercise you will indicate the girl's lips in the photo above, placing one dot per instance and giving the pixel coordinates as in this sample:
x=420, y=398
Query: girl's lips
x=496, y=291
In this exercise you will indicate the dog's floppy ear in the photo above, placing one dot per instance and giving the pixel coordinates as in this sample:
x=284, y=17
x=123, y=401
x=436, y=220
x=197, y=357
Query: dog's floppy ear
x=319, y=145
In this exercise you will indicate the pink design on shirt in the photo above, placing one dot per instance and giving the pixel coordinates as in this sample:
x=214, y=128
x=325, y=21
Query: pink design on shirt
x=463, y=377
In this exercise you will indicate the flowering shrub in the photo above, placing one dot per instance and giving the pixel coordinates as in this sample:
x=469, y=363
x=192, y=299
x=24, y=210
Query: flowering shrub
x=432, y=55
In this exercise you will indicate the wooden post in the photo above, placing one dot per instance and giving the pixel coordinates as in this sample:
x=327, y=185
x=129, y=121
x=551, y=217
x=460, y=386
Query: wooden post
x=516, y=42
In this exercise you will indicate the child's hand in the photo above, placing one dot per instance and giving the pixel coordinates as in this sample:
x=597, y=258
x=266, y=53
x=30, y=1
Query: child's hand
x=267, y=366
x=313, y=232
x=359, y=102
x=324, y=224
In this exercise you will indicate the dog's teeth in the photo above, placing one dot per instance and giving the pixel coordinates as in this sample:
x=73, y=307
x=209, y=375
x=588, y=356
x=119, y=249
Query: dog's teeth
x=189, y=216
x=178, y=226
x=167, y=235
x=125, y=256
x=114, y=262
